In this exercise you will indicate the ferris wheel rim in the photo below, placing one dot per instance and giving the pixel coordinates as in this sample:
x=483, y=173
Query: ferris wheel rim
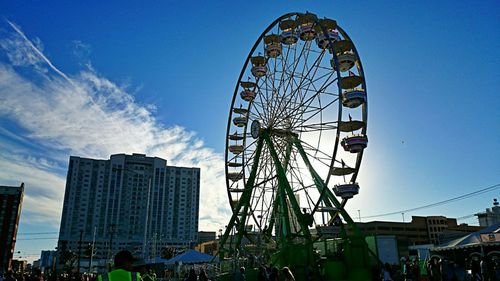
x=245, y=132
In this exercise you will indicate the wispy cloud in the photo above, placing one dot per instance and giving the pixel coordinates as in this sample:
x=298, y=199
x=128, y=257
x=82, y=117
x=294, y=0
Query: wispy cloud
x=88, y=115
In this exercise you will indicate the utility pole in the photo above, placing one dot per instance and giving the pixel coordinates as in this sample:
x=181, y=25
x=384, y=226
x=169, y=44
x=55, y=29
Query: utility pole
x=80, y=251
x=359, y=215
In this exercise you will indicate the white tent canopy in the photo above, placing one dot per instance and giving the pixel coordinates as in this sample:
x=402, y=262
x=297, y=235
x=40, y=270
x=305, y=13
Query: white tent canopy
x=489, y=236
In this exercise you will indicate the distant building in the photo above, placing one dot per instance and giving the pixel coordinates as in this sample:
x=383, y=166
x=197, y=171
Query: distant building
x=421, y=230
x=490, y=216
x=11, y=199
x=131, y=202
x=47, y=260
x=208, y=247
x=205, y=236
x=19, y=266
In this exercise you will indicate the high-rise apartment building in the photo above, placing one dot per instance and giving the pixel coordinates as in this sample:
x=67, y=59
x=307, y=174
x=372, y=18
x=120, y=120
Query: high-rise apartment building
x=11, y=199
x=131, y=202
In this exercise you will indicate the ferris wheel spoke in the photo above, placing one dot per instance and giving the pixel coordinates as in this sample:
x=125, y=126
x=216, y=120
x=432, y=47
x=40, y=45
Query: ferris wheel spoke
x=317, y=127
x=323, y=160
x=290, y=77
x=296, y=94
x=307, y=103
x=319, y=111
x=313, y=81
x=276, y=90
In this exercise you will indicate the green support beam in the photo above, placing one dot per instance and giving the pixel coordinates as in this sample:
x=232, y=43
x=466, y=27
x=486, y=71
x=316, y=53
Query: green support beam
x=285, y=187
x=323, y=189
x=276, y=202
x=243, y=202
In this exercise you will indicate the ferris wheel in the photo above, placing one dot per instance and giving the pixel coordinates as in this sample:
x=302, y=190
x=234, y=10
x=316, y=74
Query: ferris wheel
x=296, y=131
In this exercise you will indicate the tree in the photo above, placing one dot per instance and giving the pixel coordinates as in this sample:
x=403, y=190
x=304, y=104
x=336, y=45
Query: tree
x=167, y=253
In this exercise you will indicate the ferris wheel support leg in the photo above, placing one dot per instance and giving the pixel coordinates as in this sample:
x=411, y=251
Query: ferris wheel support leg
x=276, y=202
x=243, y=203
x=323, y=189
x=285, y=187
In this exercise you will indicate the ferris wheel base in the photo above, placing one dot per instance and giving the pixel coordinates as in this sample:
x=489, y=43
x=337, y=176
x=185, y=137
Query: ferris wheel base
x=341, y=259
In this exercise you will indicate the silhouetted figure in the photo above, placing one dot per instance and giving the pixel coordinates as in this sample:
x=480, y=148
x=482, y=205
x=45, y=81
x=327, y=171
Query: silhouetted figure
x=192, y=275
x=122, y=269
x=203, y=275
x=274, y=274
x=262, y=275
x=241, y=276
x=386, y=272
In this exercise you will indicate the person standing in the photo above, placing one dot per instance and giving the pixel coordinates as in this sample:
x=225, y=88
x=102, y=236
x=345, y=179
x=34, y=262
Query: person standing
x=274, y=274
x=386, y=272
x=192, y=275
x=203, y=275
x=241, y=276
x=122, y=269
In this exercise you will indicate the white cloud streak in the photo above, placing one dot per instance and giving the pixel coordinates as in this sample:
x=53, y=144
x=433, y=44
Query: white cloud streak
x=90, y=116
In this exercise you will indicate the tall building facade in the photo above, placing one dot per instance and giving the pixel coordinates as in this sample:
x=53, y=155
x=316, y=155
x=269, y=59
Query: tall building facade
x=11, y=199
x=131, y=202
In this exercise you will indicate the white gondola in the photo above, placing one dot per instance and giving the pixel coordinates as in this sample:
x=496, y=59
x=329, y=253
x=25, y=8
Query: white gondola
x=234, y=164
x=329, y=26
x=306, y=26
x=346, y=191
x=338, y=171
x=236, y=148
x=351, y=126
x=259, y=68
x=248, y=95
x=288, y=35
x=351, y=81
x=355, y=144
x=273, y=50
x=353, y=98
x=346, y=61
x=235, y=176
x=240, y=110
x=322, y=39
x=236, y=137
x=307, y=32
x=248, y=85
x=273, y=45
x=240, y=121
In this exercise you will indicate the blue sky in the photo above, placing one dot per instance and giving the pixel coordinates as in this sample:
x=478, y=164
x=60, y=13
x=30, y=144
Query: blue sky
x=169, y=68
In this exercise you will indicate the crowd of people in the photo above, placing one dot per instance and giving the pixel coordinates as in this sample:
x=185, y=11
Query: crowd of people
x=436, y=269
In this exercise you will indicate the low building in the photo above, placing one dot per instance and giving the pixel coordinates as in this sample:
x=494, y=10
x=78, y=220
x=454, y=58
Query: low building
x=209, y=247
x=205, y=236
x=490, y=216
x=19, y=266
x=421, y=230
x=47, y=260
